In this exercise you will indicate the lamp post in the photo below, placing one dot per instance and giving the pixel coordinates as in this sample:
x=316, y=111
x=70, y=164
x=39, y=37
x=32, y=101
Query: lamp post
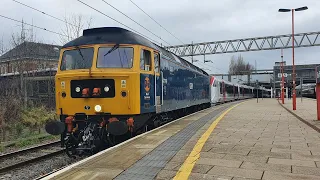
x=301, y=82
x=282, y=77
x=257, y=85
x=294, y=100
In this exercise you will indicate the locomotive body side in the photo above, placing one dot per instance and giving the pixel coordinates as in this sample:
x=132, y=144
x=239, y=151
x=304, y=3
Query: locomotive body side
x=182, y=86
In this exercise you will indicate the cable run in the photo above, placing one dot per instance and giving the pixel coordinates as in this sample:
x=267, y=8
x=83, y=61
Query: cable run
x=135, y=21
x=156, y=21
x=33, y=26
x=44, y=13
x=117, y=21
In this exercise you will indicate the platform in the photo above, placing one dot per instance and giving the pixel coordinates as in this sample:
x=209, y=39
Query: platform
x=230, y=141
x=306, y=110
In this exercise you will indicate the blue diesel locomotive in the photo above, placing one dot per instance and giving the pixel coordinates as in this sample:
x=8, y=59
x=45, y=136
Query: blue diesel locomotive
x=113, y=83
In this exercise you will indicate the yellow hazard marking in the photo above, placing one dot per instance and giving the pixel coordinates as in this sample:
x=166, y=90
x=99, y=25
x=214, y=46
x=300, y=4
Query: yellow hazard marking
x=187, y=166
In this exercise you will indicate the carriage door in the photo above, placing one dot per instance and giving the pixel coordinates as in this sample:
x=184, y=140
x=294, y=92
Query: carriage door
x=224, y=91
x=158, y=83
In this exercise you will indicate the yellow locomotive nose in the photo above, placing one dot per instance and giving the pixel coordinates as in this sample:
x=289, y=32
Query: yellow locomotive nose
x=101, y=93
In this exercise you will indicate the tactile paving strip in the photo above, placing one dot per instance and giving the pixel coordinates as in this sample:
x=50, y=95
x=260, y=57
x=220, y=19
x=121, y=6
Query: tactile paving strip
x=151, y=164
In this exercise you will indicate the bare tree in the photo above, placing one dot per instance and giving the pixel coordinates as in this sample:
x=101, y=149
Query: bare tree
x=3, y=48
x=10, y=105
x=74, y=24
x=22, y=59
x=239, y=66
x=22, y=42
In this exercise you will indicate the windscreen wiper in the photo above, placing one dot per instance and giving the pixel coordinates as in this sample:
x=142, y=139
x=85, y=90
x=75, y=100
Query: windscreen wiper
x=77, y=48
x=112, y=49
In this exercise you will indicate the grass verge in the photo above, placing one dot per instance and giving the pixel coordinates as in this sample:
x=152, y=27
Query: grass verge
x=30, y=141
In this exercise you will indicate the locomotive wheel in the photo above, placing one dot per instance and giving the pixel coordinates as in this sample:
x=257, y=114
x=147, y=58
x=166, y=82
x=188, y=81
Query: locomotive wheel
x=111, y=139
x=71, y=147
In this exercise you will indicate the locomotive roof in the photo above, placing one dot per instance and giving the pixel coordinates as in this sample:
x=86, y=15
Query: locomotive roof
x=116, y=35
x=109, y=35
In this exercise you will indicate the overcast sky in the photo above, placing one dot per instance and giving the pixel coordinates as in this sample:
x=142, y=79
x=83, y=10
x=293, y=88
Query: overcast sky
x=197, y=21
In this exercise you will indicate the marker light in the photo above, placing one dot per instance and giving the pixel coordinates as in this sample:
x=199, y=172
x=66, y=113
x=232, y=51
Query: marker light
x=97, y=108
x=96, y=92
x=78, y=89
x=106, y=89
x=85, y=92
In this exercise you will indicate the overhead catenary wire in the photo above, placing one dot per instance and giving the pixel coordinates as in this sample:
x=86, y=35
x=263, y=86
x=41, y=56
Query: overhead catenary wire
x=117, y=21
x=45, y=13
x=144, y=27
x=73, y=24
x=155, y=21
x=42, y=12
x=211, y=66
x=135, y=21
x=149, y=30
x=34, y=26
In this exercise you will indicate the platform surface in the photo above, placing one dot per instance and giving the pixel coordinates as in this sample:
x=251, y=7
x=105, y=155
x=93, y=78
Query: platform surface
x=306, y=109
x=142, y=157
x=253, y=141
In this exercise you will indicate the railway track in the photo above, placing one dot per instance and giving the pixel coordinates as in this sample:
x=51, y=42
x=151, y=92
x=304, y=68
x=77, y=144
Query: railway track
x=36, y=162
x=21, y=158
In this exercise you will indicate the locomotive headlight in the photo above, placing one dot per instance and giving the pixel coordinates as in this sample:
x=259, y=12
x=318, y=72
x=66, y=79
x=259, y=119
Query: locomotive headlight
x=106, y=89
x=78, y=89
x=97, y=108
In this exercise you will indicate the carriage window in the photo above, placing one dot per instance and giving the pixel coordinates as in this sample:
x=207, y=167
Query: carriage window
x=156, y=62
x=145, y=60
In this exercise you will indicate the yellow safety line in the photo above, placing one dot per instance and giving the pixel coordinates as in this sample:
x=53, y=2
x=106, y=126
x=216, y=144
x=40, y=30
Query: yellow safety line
x=187, y=166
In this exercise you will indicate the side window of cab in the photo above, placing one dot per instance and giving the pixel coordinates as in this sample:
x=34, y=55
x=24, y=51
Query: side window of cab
x=145, y=60
x=156, y=62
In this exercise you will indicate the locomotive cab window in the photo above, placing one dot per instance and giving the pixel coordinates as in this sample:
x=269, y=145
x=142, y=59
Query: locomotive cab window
x=118, y=57
x=145, y=60
x=80, y=58
x=156, y=62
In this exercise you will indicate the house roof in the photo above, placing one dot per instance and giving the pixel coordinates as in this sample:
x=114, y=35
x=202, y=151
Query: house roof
x=32, y=50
